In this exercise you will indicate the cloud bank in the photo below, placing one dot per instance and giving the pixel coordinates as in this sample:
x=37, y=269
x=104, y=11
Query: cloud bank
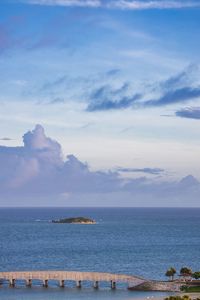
x=38, y=169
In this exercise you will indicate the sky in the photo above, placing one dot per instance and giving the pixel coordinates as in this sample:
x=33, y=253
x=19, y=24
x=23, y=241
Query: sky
x=100, y=103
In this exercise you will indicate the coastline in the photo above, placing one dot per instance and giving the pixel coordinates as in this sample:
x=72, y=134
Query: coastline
x=193, y=296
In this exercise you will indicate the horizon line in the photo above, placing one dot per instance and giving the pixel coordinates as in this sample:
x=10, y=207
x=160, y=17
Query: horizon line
x=80, y=207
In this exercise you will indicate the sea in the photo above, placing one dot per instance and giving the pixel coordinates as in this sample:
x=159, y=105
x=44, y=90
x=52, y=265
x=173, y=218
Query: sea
x=135, y=241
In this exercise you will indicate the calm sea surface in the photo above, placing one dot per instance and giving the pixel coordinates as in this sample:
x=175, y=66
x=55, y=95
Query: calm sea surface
x=136, y=241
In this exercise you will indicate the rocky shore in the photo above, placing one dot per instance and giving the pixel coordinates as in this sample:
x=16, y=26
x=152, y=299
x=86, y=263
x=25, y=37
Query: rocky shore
x=161, y=286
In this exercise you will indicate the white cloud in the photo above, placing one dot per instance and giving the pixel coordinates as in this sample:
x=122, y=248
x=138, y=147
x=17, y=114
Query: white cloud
x=37, y=170
x=119, y=4
x=27, y=169
x=80, y=3
x=154, y=4
x=38, y=167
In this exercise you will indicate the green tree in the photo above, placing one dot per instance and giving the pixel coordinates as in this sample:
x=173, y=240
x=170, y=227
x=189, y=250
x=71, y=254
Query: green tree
x=185, y=271
x=170, y=273
x=196, y=275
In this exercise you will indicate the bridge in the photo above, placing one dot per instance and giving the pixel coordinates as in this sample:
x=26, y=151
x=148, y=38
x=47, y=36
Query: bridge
x=62, y=276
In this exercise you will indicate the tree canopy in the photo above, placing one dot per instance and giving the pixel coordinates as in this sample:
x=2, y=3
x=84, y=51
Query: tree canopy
x=196, y=275
x=185, y=271
x=170, y=272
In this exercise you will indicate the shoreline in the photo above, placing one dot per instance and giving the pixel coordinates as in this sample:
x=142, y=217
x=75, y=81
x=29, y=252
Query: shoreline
x=193, y=296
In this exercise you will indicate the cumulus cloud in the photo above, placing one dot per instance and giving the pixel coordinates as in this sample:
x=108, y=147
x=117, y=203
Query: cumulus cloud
x=38, y=170
x=38, y=167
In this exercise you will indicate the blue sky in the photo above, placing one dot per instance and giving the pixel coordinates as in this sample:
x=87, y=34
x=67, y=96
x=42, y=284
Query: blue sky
x=116, y=83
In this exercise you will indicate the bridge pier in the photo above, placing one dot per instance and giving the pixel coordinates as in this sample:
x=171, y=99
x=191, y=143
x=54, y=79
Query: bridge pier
x=62, y=283
x=96, y=285
x=45, y=283
x=12, y=282
x=29, y=282
x=113, y=285
x=78, y=284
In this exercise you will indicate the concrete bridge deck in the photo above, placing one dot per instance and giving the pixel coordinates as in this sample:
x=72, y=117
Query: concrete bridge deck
x=62, y=276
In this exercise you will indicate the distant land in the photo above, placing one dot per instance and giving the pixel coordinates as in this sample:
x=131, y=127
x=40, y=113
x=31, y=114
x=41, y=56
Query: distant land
x=76, y=220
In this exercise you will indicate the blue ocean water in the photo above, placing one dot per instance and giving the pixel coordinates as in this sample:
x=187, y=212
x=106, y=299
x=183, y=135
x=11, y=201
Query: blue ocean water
x=140, y=241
